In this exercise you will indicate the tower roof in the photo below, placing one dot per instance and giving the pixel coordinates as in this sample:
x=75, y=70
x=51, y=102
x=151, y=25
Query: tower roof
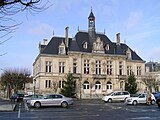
x=91, y=15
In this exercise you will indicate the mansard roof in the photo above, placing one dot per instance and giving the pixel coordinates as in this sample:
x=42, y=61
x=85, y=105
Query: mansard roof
x=76, y=45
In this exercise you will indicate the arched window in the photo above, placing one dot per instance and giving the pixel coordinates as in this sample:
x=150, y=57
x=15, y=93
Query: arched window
x=86, y=85
x=85, y=45
x=107, y=47
x=109, y=85
x=97, y=85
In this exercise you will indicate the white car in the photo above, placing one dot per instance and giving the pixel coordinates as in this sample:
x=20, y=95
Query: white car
x=116, y=96
x=139, y=98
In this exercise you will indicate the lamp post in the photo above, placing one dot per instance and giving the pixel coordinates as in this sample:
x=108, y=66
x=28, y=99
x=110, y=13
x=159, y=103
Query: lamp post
x=34, y=86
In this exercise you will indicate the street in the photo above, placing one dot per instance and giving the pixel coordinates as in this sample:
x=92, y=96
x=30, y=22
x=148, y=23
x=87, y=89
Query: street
x=85, y=110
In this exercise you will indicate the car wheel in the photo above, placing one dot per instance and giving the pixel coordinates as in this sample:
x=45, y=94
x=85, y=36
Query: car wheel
x=64, y=104
x=37, y=104
x=110, y=100
x=134, y=102
x=153, y=102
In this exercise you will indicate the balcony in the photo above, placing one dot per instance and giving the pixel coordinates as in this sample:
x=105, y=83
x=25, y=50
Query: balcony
x=122, y=77
x=102, y=76
x=76, y=75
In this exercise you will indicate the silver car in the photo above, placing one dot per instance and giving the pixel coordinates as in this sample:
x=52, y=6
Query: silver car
x=52, y=100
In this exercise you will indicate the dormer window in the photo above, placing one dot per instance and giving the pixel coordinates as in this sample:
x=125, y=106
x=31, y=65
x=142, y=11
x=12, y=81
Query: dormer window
x=85, y=45
x=62, y=48
x=107, y=47
x=128, y=54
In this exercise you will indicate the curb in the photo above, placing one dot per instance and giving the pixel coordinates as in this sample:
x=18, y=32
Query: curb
x=7, y=107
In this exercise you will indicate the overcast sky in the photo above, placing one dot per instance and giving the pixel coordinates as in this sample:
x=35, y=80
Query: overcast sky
x=137, y=21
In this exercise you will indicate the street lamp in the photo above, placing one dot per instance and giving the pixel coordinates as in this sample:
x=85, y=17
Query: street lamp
x=34, y=86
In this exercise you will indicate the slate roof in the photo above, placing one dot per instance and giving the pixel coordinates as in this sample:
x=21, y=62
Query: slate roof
x=91, y=15
x=80, y=38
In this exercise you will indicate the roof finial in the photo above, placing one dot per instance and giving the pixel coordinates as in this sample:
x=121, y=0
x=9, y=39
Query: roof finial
x=91, y=8
x=104, y=31
x=78, y=28
x=53, y=33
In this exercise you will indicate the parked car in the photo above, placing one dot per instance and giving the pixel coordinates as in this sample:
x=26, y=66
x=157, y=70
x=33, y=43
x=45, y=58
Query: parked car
x=17, y=97
x=158, y=101
x=156, y=95
x=140, y=98
x=52, y=100
x=116, y=96
x=27, y=98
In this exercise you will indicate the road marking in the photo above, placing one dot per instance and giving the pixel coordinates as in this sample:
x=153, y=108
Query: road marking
x=26, y=106
x=139, y=118
x=19, y=111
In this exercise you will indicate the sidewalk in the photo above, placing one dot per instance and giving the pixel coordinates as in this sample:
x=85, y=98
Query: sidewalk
x=6, y=105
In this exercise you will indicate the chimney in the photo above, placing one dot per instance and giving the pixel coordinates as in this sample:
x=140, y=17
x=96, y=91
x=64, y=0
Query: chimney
x=66, y=36
x=45, y=41
x=118, y=38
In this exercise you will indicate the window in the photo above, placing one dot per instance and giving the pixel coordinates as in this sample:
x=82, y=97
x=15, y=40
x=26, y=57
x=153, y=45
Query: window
x=61, y=84
x=57, y=96
x=126, y=93
x=85, y=45
x=118, y=93
x=138, y=70
x=109, y=67
x=48, y=83
x=120, y=68
x=61, y=50
x=86, y=66
x=128, y=54
x=48, y=66
x=74, y=65
x=61, y=67
x=142, y=96
x=129, y=70
x=98, y=67
x=86, y=85
x=107, y=47
x=97, y=85
x=109, y=85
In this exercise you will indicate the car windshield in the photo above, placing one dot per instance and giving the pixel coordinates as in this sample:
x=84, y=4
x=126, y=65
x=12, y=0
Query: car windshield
x=20, y=95
x=135, y=95
x=109, y=93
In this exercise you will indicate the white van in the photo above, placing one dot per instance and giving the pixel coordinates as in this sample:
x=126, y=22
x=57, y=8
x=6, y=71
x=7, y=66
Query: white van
x=116, y=96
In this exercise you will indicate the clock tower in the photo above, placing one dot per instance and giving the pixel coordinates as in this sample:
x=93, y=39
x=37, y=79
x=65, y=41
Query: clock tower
x=91, y=27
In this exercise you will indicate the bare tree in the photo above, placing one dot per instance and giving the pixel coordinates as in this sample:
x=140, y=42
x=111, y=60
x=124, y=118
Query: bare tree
x=151, y=83
x=15, y=79
x=8, y=8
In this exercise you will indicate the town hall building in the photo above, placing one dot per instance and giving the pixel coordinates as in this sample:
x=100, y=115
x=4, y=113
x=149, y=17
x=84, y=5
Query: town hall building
x=99, y=66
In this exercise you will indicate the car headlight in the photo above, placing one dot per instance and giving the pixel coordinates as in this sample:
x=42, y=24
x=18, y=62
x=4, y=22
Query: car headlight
x=129, y=100
x=31, y=102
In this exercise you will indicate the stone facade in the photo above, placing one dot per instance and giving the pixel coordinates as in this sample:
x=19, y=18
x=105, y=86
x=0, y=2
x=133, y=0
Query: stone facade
x=99, y=66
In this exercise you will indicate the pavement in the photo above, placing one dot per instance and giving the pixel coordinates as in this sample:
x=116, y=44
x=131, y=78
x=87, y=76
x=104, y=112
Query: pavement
x=6, y=105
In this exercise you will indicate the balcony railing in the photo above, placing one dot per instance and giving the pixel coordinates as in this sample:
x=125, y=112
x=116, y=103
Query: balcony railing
x=102, y=76
x=122, y=77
